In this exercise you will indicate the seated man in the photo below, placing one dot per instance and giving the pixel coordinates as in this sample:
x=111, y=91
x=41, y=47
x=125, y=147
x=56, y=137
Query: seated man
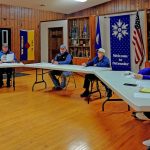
x=145, y=75
x=99, y=61
x=62, y=58
x=8, y=71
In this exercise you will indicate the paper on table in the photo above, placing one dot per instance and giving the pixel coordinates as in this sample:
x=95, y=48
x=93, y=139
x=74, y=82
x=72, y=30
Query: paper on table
x=142, y=95
x=143, y=83
x=9, y=57
x=145, y=90
x=130, y=76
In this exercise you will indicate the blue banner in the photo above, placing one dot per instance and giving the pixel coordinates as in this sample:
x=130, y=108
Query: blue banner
x=120, y=42
x=26, y=45
x=23, y=41
x=98, y=43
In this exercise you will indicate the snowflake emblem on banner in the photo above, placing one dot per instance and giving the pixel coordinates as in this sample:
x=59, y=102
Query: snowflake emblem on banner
x=120, y=29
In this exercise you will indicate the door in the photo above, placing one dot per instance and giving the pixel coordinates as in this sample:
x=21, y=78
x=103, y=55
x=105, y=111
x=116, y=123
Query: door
x=5, y=37
x=55, y=39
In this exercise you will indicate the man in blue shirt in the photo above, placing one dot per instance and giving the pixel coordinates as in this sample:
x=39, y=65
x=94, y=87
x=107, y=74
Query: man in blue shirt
x=99, y=61
x=8, y=71
x=62, y=58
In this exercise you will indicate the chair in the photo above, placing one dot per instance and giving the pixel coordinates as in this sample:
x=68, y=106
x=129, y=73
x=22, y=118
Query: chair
x=72, y=75
x=68, y=81
x=96, y=81
x=12, y=80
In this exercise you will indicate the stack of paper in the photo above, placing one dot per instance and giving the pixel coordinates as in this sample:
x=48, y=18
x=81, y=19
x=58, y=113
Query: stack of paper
x=7, y=58
x=145, y=90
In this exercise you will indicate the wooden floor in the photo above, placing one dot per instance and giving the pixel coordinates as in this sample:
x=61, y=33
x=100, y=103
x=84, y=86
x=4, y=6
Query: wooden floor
x=46, y=120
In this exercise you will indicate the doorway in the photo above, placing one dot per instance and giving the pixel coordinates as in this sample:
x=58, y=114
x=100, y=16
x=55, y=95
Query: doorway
x=5, y=37
x=55, y=39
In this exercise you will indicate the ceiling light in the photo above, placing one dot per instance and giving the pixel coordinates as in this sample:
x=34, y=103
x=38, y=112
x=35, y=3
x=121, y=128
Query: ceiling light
x=81, y=0
x=42, y=5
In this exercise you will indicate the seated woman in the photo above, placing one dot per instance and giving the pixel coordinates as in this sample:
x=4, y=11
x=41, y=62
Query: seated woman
x=143, y=74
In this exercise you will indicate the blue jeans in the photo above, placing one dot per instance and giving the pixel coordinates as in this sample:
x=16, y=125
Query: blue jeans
x=63, y=75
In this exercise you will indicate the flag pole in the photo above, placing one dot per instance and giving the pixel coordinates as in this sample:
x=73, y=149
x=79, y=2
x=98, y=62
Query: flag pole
x=137, y=9
x=137, y=5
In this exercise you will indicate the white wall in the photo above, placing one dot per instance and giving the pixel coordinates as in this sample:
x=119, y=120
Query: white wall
x=44, y=36
x=105, y=34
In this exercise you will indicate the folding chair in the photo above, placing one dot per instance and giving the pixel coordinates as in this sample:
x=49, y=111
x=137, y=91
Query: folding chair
x=97, y=90
x=69, y=79
x=12, y=80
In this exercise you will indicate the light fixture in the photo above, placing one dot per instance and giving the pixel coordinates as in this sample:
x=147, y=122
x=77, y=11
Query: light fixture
x=81, y=0
x=42, y=5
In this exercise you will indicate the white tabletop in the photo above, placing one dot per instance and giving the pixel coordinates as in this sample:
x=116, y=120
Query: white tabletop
x=113, y=79
x=11, y=65
x=73, y=68
x=116, y=79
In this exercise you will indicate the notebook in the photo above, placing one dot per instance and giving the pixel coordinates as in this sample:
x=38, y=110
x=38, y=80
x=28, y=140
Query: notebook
x=145, y=90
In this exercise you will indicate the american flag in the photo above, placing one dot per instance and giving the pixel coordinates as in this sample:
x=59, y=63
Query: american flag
x=138, y=42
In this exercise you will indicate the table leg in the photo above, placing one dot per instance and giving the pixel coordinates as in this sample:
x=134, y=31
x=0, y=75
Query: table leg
x=14, y=78
x=36, y=80
x=43, y=79
x=111, y=100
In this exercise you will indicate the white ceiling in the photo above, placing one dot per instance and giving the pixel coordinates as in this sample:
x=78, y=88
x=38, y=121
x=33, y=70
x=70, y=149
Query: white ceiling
x=62, y=6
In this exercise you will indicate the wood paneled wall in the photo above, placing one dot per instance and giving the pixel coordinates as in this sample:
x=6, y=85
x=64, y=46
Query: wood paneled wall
x=114, y=6
x=18, y=18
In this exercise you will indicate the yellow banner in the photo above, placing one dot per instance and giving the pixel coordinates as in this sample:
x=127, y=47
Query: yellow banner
x=31, y=43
